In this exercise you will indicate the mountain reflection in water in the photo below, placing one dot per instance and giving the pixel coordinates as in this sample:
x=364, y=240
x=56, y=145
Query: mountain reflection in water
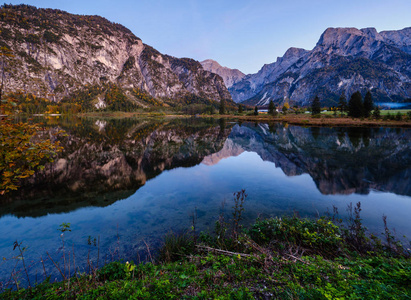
x=107, y=160
x=339, y=160
x=129, y=181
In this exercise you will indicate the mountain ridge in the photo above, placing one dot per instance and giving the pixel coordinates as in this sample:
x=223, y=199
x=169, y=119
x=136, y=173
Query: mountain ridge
x=343, y=61
x=57, y=53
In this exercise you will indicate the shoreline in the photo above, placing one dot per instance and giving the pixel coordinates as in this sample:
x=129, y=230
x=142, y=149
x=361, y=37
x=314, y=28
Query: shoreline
x=326, y=122
x=300, y=120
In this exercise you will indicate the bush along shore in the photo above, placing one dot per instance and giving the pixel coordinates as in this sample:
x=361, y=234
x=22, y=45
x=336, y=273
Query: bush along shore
x=276, y=258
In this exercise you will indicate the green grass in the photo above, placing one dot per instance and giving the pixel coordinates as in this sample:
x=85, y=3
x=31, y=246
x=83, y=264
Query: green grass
x=383, y=112
x=212, y=276
x=395, y=111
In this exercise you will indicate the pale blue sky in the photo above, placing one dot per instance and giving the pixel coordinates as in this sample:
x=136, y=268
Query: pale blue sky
x=241, y=34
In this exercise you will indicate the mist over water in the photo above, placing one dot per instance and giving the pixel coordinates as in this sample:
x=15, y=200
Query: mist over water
x=391, y=105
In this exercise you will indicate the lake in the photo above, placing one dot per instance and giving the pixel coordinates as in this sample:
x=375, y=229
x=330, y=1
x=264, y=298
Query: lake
x=123, y=183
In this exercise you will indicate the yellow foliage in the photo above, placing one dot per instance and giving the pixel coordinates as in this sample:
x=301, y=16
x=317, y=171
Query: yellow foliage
x=21, y=154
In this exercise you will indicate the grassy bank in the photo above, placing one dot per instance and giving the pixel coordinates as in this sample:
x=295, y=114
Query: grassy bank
x=121, y=114
x=280, y=258
x=325, y=119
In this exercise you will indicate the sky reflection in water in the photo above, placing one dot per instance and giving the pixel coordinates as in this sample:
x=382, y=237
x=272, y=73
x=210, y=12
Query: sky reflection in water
x=166, y=201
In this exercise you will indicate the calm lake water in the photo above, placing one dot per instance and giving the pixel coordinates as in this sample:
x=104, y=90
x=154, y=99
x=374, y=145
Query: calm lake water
x=125, y=183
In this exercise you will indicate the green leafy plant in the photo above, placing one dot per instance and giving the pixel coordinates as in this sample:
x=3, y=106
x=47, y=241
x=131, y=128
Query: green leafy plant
x=112, y=271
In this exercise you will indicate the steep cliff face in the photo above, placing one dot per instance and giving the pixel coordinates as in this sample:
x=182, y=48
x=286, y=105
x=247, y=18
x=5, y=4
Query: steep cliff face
x=57, y=54
x=230, y=76
x=343, y=61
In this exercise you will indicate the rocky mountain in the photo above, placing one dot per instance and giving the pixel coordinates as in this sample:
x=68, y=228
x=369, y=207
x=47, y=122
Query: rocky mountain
x=251, y=84
x=57, y=54
x=230, y=76
x=343, y=61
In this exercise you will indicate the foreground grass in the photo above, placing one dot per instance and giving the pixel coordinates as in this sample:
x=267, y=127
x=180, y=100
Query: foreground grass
x=288, y=258
x=212, y=276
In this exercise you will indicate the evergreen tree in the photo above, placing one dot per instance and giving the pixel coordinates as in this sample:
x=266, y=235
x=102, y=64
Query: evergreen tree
x=368, y=104
x=240, y=109
x=355, y=105
x=376, y=113
x=342, y=104
x=316, y=106
x=271, y=107
x=211, y=110
x=222, y=107
x=256, y=111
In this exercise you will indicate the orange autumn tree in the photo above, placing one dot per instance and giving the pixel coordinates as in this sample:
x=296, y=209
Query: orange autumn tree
x=22, y=150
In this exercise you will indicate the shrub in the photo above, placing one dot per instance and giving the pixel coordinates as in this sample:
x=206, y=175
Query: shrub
x=320, y=235
x=112, y=271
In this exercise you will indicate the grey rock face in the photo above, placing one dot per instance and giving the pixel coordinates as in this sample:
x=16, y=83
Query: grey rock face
x=56, y=54
x=254, y=83
x=230, y=76
x=400, y=38
x=343, y=61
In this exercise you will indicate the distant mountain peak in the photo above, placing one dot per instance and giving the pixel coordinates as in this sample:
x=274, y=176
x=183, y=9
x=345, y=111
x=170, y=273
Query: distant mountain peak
x=293, y=52
x=210, y=61
x=230, y=76
x=343, y=61
x=340, y=35
x=372, y=32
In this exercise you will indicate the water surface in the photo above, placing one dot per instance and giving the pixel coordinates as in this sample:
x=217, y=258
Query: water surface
x=128, y=182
